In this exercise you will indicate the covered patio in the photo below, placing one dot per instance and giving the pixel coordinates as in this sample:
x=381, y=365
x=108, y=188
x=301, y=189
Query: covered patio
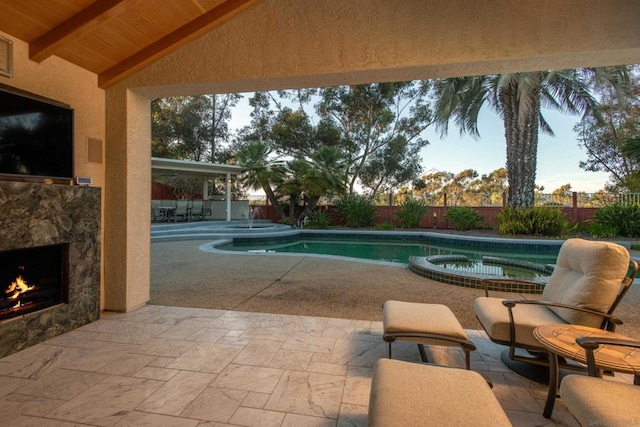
x=107, y=60
x=203, y=171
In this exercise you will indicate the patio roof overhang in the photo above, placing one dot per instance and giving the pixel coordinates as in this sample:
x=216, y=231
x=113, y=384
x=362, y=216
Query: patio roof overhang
x=186, y=167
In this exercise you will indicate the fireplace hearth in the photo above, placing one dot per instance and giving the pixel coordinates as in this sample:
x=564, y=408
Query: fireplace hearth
x=33, y=279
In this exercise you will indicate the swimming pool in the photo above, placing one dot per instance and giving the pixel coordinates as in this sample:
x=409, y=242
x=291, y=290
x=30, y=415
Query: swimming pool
x=383, y=250
x=432, y=255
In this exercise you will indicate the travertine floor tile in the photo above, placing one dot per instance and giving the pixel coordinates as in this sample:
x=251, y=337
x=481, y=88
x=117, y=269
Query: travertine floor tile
x=308, y=393
x=177, y=394
x=107, y=402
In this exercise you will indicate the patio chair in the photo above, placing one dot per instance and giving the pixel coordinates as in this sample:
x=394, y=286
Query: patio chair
x=593, y=400
x=182, y=210
x=197, y=212
x=157, y=214
x=587, y=284
x=206, y=209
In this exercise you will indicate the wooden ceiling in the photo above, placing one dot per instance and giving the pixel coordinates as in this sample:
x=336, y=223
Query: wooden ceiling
x=113, y=38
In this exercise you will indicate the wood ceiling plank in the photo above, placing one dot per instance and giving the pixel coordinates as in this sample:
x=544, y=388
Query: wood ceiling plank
x=77, y=26
x=14, y=21
x=176, y=39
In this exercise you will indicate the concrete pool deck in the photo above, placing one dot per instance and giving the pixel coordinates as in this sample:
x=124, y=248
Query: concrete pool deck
x=183, y=275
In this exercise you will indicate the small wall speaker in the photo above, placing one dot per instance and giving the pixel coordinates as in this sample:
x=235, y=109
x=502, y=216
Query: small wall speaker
x=94, y=150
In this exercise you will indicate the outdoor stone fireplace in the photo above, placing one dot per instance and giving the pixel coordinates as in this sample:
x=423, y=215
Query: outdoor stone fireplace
x=50, y=256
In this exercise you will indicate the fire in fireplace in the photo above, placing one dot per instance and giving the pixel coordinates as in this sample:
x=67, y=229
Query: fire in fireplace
x=32, y=279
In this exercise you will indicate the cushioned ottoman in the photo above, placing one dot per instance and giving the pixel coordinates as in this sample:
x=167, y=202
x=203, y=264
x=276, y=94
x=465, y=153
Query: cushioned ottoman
x=433, y=324
x=600, y=402
x=411, y=394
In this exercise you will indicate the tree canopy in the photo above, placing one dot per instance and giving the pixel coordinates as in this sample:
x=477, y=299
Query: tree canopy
x=611, y=137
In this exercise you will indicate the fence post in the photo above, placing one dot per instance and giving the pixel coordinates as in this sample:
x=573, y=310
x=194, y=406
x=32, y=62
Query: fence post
x=504, y=199
x=574, y=197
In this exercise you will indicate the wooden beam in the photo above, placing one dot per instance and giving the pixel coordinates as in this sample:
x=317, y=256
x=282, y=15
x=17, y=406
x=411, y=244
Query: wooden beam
x=76, y=26
x=174, y=40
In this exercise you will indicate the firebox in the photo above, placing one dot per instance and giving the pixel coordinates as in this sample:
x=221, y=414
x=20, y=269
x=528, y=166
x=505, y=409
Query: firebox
x=32, y=279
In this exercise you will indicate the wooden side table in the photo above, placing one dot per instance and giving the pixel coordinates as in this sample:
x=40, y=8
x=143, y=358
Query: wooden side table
x=560, y=340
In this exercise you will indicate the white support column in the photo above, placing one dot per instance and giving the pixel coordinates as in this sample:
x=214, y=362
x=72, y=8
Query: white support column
x=228, y=196
x=205, y=187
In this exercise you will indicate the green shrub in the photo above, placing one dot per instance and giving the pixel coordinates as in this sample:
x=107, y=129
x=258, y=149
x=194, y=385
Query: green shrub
x=623, y=219
x=463, y=218
x=410, y=212
x=317, y=219
x=387, y=225
x=536, y=221
x=603, y=230
x=356, y=211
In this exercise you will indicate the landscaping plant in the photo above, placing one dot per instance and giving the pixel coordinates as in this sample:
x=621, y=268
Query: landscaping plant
x=356, y=211
x=386, y=225
x=463, y=218
x=619, y=219
x=410, y=212
x=535, y=221
x=318, y=219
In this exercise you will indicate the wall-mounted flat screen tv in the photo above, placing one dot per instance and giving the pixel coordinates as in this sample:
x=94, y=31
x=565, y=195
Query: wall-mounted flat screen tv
x=36, y=136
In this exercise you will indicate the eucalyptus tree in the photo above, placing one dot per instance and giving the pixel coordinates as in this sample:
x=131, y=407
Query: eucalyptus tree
x=518, y=99
x=192, y=127
x=381, y=130
x=611, y=137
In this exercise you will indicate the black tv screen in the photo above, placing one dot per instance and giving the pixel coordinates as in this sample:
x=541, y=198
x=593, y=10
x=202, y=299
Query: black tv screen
x=36, y=136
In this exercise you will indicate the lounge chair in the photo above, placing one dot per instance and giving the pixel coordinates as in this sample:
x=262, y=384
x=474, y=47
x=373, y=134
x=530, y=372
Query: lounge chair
x=589, y=281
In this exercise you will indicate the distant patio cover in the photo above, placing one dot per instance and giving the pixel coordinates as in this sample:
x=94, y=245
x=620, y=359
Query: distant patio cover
x=200, y=169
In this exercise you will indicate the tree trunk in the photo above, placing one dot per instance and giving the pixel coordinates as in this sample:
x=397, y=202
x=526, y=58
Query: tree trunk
x=521, y=133
x=274, y=201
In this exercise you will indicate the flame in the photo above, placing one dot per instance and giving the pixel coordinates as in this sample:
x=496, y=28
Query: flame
x=18, y=287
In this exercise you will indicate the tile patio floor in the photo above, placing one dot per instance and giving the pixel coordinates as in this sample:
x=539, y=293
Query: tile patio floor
x=172, y=366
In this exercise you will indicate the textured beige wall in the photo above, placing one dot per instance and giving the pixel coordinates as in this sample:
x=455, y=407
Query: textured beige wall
x=309, y=43
x=64, y=82
x=61, y=81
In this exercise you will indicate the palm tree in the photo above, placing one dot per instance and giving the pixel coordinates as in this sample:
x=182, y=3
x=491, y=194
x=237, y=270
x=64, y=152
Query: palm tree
x=517, y=98
x=262, y=171
x=322, y=173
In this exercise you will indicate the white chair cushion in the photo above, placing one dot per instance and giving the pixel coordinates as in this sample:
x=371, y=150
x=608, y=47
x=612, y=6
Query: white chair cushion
x=494, y=317
x=600, y=402
x=588, y=274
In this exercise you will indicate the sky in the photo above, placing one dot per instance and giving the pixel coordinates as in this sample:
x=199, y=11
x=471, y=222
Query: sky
x=558, y=156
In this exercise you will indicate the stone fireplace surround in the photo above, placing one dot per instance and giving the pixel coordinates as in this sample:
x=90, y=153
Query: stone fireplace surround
x=36, y=214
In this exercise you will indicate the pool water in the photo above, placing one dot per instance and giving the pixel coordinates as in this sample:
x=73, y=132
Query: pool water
x=480, y=267
x=398, y=252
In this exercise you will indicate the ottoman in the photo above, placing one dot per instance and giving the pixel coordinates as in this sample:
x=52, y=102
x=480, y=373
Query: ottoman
x=408, y=394
x=422, y=324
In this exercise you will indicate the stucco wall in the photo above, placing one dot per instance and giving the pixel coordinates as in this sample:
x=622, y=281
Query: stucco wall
x=59, y=80
x=309, y=43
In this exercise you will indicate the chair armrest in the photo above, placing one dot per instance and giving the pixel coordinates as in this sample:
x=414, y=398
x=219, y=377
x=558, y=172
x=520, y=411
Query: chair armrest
x=485, y=283
x=510, y=303
x=590, y=344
